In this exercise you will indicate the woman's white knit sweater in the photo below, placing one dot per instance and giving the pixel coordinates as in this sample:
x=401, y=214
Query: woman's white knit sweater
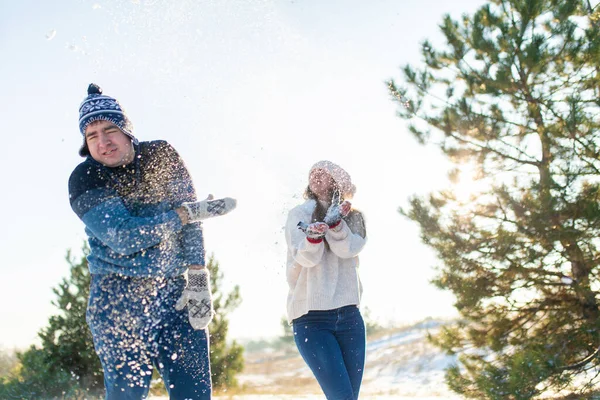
x=324, y=275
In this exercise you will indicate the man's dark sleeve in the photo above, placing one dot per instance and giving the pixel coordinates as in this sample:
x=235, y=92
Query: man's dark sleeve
x=105, y=215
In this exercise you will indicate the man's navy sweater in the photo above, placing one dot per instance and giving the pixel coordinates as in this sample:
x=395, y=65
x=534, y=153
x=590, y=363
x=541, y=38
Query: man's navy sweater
x=129, y=215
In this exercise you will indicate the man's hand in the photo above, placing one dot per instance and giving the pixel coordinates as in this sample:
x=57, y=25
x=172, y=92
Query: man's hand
x=201, y=210
x=198, y=298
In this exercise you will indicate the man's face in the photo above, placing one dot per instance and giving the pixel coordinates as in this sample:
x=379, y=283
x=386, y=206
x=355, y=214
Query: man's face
x=108, y=144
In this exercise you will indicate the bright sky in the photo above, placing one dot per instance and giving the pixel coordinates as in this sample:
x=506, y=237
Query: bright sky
x=251, y=93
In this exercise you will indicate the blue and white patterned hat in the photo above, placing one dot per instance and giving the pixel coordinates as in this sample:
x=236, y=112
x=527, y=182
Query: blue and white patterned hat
x=97, y=106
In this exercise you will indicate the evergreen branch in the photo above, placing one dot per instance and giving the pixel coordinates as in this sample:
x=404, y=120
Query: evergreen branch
x=481, y=147
x=490, y=149
x=452, y=106
x=583, y=362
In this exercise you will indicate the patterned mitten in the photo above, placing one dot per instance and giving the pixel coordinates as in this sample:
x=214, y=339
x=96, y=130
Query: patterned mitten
x=200, y=210
x=314, y=232
x=198, y=299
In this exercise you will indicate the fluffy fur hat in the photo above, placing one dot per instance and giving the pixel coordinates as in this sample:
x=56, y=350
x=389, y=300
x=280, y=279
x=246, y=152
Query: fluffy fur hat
x=339, y=175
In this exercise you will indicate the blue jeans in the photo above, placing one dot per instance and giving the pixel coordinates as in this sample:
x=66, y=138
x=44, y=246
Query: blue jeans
x=333, y=343
x=135, y=327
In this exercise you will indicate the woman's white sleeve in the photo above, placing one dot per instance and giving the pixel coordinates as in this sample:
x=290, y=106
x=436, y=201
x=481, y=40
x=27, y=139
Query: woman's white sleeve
x=344, y=243
x=303, y=252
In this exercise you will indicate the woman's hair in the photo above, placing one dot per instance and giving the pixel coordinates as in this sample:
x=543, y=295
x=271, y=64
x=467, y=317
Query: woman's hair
x=320, y=210
x=356, y=223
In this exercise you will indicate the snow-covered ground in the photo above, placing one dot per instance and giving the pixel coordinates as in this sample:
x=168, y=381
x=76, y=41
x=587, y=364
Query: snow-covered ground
x=406, y=364
x=311, y=397
x=319, y=397
x=400, y=365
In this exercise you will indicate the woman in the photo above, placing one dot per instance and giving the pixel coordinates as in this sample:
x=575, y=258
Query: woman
x=324, y=236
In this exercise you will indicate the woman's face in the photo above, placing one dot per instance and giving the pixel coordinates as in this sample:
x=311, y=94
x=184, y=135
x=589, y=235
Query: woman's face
x=321, y=184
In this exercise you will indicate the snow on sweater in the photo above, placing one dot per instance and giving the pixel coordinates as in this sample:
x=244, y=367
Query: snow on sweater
x=324, y=275
x=129, y=215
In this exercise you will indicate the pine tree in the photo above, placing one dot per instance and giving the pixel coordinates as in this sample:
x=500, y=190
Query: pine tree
x=514, y=94
x=67, y=339
x=65, y=366
x=8, y=361
x=226, y=359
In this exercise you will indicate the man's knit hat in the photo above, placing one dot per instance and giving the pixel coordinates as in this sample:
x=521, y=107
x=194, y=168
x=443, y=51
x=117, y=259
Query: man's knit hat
x=339, y=175
x=97, y=106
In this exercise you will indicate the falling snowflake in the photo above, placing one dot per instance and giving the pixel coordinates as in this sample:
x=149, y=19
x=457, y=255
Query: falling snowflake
x=50, y=35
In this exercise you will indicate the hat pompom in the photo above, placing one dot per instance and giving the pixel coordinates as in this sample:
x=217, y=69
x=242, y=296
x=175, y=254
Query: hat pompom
x=94, y=89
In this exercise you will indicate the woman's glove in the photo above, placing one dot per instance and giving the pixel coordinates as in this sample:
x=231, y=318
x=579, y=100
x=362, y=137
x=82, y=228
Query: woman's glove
x=314, y=232
x=198, y=298
x=336, y=212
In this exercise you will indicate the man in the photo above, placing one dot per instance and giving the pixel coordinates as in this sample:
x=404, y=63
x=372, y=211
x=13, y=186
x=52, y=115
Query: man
x=142, y=219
